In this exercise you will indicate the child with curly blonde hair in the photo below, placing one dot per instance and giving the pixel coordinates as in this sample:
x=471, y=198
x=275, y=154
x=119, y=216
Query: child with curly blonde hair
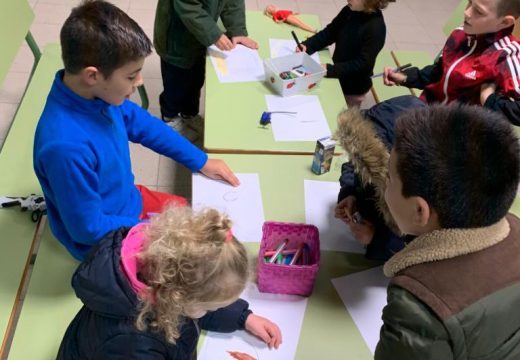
x=148, y=291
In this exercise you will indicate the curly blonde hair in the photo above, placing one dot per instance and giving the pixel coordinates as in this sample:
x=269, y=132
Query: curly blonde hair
x=374, y=5
x=187, y=260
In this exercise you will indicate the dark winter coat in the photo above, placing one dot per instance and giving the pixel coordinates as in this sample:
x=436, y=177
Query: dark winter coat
x=367, y=139
x=104, y=328
x=359, y=37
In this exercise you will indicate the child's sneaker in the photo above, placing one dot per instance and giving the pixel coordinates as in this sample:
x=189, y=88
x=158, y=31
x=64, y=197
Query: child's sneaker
x=177, y=123
x=195, y=123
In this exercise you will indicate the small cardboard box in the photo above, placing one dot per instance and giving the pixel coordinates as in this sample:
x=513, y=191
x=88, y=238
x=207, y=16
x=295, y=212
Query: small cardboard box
x=323, y=155
x=285, y=87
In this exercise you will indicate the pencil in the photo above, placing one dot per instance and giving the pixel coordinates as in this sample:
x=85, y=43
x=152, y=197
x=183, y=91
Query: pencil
x=397, y=69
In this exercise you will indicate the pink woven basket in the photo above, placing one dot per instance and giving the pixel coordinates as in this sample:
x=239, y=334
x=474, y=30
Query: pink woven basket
x=288, y=279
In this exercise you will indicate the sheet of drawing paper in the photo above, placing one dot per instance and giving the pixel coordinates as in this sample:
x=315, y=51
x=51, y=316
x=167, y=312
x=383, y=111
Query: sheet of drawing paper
x=286, y=311
x=307, y=124
x=282, y=47
x=364, y=296
x=320, y=201
x=238, y=65
x=243, y=204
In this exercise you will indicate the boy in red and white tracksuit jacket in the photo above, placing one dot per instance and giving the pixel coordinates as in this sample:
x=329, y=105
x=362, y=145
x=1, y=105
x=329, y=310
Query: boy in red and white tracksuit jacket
x=467, y=62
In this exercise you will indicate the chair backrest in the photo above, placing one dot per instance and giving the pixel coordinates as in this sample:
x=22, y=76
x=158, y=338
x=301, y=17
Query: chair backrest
x=13, y=30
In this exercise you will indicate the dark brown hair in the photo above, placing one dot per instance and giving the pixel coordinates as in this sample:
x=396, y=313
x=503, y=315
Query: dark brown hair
x=99, y=34
x=463, y=160
x=508, y=7
x=374, y=5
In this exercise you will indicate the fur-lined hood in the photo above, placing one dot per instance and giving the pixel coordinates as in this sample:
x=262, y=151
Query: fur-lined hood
x=368, y=154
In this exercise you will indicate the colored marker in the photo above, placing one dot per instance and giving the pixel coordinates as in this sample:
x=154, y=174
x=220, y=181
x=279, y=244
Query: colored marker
x=284, y=252
x=297, y=254
x=287, y=259
x=306, y=255
x=297, y=41
x=279, y=249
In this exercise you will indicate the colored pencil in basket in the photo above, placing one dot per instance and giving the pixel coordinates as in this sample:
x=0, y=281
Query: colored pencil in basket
x=279, y=249
x=284, y=252
x=306, y=255
x=297, y=254
x=287, y=259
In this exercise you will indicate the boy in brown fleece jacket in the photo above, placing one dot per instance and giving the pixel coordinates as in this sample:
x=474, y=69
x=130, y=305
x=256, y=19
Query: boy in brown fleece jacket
x=455, y=289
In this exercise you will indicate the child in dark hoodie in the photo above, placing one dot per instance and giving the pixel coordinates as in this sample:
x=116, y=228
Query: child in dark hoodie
x=148, y=292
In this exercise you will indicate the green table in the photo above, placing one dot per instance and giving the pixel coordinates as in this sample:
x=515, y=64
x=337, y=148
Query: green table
x=233, y=109
x=328, y=332
x=15, y=20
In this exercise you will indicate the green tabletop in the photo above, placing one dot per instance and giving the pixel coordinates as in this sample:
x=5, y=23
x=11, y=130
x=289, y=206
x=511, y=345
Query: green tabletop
x=15, y=20
x=233, y=109
x=328, y=332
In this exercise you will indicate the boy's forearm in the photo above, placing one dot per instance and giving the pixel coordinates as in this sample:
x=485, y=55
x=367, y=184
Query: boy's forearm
x=419, y=78
x=510, y=109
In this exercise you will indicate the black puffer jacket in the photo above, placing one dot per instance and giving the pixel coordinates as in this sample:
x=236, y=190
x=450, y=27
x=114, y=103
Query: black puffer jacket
x=368, y=138
x=104, y=327
x=359, y=37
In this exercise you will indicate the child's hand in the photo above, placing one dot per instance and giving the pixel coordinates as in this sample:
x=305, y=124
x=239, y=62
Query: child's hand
x=391, y=77
x=224, y=44
x=218, y=170
x=363, y=231
x=486, y=90
x=345, y=209
x=244, y=40
x=304, y=49
x=265, y=329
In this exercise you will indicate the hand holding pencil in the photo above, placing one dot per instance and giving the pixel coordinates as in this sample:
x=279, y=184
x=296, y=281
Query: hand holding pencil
x=393, y=76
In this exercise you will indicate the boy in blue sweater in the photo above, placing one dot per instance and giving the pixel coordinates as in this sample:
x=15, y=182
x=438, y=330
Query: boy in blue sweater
x=81, y=152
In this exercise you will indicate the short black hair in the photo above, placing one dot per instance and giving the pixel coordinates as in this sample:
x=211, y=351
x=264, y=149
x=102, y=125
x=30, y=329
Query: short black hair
x=463, y=160
x=99, y=34
x=508, y=7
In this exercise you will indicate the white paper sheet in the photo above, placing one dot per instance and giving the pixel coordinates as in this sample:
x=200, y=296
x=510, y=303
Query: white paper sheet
x=243, y=204
x=320, y=202
x=364, y=296
x=282, y=47
x=238, y=65
x=286, y=311
x=308, y=124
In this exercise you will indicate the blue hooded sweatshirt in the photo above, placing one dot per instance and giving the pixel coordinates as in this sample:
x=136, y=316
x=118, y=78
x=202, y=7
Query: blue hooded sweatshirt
x=82, y=160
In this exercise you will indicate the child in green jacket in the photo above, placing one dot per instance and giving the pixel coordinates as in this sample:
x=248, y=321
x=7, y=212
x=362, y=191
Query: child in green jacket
x=184, y=29
x=455, y=289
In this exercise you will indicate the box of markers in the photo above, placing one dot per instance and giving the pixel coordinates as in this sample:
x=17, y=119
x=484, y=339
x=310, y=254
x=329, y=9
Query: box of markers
x=292, y=74
x=289, y=258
